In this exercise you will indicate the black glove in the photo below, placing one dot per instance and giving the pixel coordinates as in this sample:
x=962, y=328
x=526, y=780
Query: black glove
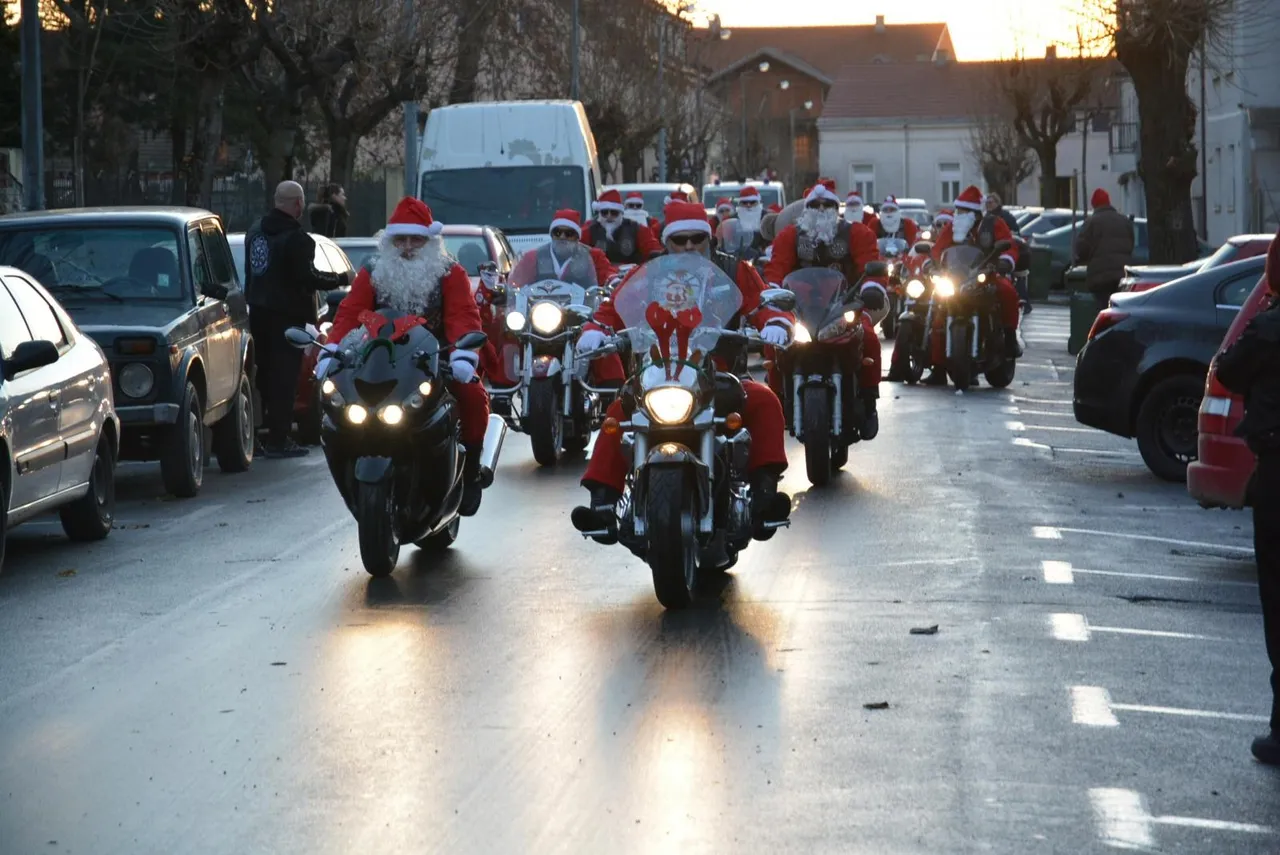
x=1004, y=265
x=873, y=299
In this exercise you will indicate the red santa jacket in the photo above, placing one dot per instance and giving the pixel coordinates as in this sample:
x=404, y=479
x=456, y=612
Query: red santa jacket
x=909, y=231
x=786, y=259
x=461, y=315
x=946, y=239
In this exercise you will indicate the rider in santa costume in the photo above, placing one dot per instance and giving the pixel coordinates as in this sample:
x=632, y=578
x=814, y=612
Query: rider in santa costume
x=413, y=272
x=633, y=210
x=855, y=211
x=623, y=240
x=891, y=224
x=687, y=230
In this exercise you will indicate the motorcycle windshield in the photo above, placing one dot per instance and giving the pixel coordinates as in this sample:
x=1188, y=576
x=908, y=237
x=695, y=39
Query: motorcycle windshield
x=681, y=303
x=820, y=294
x=733, y=238
x=526, y=273
x=388, y=359
x=961, y=258
x=892, y=246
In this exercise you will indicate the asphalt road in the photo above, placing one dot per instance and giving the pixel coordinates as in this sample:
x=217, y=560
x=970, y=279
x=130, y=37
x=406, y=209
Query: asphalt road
x=221, y=675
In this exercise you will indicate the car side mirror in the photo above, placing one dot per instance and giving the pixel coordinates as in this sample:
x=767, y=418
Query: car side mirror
x=778, y=298
x=875, y=270
x=924, y=247
x=215, y=290
x=29, y=355
x=298, y=337
x=473, y=340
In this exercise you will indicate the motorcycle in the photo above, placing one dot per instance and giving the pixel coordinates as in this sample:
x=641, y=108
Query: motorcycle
x=965, y=289
x=911, y=351
x=543, y=319
x=734, y=244
x=686, y=506
x=820, y=380
x=892, y=251
x=390, y=435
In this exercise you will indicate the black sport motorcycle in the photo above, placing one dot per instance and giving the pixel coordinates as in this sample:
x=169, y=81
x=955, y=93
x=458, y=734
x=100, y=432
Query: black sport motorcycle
x=964, y=287
x=892, y=253
x=390, y=435
x=911, y=355
x=687, y=504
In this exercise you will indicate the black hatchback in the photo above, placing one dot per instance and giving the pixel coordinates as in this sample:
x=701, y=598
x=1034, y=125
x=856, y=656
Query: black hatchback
x=1141, y=374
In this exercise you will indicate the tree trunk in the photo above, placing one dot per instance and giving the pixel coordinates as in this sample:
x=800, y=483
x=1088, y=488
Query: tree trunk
x=211, y=135
x=342, y=154
x=475, y=21
x=178, y=153
x=1048, y=157
x=80, y=135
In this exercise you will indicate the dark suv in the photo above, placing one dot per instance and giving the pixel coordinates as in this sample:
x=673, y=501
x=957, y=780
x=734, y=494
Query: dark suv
x=157, y=289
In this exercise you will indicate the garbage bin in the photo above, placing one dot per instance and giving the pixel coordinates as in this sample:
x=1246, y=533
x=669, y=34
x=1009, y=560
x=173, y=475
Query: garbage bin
x=1084, y=309
x=1040, y=280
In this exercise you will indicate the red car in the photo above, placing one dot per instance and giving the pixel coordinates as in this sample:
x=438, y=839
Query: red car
x=1217, y=479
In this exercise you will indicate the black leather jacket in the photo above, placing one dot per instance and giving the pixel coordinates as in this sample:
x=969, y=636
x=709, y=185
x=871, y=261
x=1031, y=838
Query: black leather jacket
x=279, y=268
x=1251, y=367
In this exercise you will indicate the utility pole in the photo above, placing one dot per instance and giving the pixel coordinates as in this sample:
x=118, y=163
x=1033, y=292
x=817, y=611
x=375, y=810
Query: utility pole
x=1204, y=150
x=410, y=126
x=573, y=58
x=662, y=97
x=32, y=109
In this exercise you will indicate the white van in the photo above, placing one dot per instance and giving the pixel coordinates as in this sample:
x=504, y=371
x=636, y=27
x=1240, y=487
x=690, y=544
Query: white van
x=510, y=165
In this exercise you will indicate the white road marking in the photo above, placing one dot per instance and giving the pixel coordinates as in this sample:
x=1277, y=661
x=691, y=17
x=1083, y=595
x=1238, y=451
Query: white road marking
x=1091, y=706
x=1023, y=442
x=1122, y=818
x=1046, y=532
x=1056, y=532
x=923, y=561
x=1143, y=708
x=1099, y=452
x=1015, y=426
x=1058, y=401
x=1060, y=429
x=1058, y=572
x=1213, y=824
x=1046, y=413
x=1162, y=578
x=1158, y=633
x=1068, y=627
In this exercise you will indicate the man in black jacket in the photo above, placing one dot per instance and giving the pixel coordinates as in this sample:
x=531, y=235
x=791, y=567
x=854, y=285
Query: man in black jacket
x=281, y=285
x=1251, y=367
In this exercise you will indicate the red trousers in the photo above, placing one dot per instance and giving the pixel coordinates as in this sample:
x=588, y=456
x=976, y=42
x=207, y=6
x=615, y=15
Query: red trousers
x=762, y=416
x=473, y=410
x=868, y=375
x=1010, y=317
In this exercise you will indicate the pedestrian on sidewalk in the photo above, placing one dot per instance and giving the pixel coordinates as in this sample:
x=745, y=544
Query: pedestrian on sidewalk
x=1105, y=244
x=329, y=216
x=1251, y=367
x=281, y=282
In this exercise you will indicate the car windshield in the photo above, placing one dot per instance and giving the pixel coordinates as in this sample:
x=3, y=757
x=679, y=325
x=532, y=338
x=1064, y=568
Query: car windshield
x=471, y=251
x=922, y=217
x=770, y=194
x=358, y=253
x=100, y=263
x=516, y=199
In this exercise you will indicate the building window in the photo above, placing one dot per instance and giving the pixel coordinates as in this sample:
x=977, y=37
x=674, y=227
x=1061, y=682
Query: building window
x=862, y=178
x=804, y=149
x=949, y=180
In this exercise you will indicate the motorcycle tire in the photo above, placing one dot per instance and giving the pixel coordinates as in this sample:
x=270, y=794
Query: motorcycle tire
x=1002, y=375
x=673, y=537
x=839, y=456
x=959, y=362
x=889, y=326
x=546, y=425
x=913, y=365
x=816, y=401
x=375, y=513
x=441, y=540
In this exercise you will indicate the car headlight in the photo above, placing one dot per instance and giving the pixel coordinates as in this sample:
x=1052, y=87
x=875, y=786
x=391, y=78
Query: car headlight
x=546, y=317
x=137, y=380
x=943, y=287
x=392, y=414
x=670, y=405
x=515, y=321
x=802, y=334
x=915, y=289
x=357, y=414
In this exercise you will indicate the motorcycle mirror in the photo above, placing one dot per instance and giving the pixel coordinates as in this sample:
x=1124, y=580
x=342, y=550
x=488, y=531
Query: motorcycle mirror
x=579, y=312
x=473, y=340
x=1002, y=245
x=924, y=247
x=875, y=269
x=778, y=298
x=499, y=296
x=298, y=337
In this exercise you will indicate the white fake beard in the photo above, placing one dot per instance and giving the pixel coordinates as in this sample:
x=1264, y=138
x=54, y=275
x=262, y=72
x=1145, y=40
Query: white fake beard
x=819, y=223
x=854, y=213
x=750, y=218
x=610, y=226
x=636, y=215
x=961, y=225
x=891, y=222
x=406, y=284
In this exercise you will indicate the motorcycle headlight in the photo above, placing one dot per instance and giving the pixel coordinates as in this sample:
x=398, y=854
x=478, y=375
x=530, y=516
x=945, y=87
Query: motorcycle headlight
x=424, y=388
x=915, y=289
x=357, y=414
x=392, y=415
x=546, y=317
x=328, y=387
x=515, y=321
x=927, y=234
x=943, y=287
x=802, y=334
x=137, y=380
x=850, y=317
x=670, y=405
x=888, y=269
x=982, y=278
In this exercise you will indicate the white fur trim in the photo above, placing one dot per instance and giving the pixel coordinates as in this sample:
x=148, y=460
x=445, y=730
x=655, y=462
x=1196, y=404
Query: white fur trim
x=606, y=206
x=854, y=199
x=1012, y=260
x=565, y=224
x=943, y=218
x=968, y=206
x=465, y=356
x=820, y=191
x=397, y=229
x=876, y=285
x=679, y=226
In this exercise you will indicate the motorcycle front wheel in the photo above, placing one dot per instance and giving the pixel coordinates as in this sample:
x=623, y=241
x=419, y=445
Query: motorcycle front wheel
x=1002, y=375
x=889, y=326
x=959, y=362
x=546, y=425
x=673, y=537
x=375, y=514
x=905, y=349
x=816, y=401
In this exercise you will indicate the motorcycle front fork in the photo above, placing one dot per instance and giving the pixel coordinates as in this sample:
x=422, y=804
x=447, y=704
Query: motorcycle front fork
x=798, y=382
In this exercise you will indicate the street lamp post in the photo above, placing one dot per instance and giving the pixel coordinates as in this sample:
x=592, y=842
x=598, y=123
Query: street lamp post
x=662, y=101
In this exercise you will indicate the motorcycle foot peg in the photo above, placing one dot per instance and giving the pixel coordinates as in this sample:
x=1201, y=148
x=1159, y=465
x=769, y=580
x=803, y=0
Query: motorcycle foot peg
x=776, y=524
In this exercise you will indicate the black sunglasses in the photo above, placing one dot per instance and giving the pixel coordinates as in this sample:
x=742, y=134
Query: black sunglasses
x=826, y=205
x=695, y=238
x=745, y=204
x=610, y=214
x=564, y=234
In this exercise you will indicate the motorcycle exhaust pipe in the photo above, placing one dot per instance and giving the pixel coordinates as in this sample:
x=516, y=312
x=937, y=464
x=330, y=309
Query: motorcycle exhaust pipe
x=494, y=434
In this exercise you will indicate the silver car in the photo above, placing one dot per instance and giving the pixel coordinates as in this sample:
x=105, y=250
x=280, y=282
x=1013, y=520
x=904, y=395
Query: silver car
x=59, y=435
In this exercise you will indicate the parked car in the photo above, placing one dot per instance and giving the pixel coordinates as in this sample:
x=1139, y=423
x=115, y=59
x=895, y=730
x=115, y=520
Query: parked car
x=59, y=433
x=917, y=210
x=1023, y=216
x=1060, y=245
x=1141, y=373
x=1238, y=248
x=156, y=288
x=1050, y=219
x=470, y=245
x=1220, y=474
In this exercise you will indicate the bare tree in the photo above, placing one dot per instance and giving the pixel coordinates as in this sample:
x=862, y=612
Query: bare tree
x=1001, y=153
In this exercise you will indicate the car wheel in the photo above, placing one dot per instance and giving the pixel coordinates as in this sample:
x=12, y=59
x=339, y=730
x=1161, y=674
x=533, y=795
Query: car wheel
x=1167, y=427
x=182, y=460
x=233, y=436
x=91, y=516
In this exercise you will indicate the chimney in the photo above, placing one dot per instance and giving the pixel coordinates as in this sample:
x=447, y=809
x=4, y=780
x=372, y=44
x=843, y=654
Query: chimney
x=880, y=28
x=1051, y=52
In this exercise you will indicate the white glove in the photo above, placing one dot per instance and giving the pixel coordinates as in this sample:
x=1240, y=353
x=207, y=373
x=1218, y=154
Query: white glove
x=590, y=340
x=463, y=365
x=775, y=334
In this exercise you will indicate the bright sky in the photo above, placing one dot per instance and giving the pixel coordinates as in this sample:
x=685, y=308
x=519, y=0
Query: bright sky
x=980, y=29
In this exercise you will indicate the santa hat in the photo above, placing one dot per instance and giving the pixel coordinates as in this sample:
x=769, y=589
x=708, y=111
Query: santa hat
x=748, y=194
x=825, y=189
x=610, y=200
x=970, y=199
x=723, y=202
x=413, y=217
x=775, y=208
x=676, y=196
x=854, y=198
x=567, y=218
x=889, y=202
x=945, y=215
x=635, y=196
x=684, y=217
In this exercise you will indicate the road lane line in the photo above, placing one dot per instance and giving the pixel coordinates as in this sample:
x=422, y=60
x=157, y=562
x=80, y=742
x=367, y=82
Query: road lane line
x=1163, y=578
x=1143, y=708
x=1023, y=442
x=1122, y=818
x=1158, y=633
x=1091, y=706
x=1213, y=824
x=1056, y=532
x=1068, y=627
x=1061, y=429
x=1058, y=401
x=923, y=561
x=1046, y=532
x=1058, y=572
x=1015, y=426
x=1099, y=452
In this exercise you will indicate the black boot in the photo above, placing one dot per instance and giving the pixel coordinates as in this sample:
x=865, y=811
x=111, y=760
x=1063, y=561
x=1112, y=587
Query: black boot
x=937, y=377
x=897, y=367
x=472, y=488
x=1012, y=350
x=1267, y=749
x=599, y=515
x=871, y=421
x=768, y=504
